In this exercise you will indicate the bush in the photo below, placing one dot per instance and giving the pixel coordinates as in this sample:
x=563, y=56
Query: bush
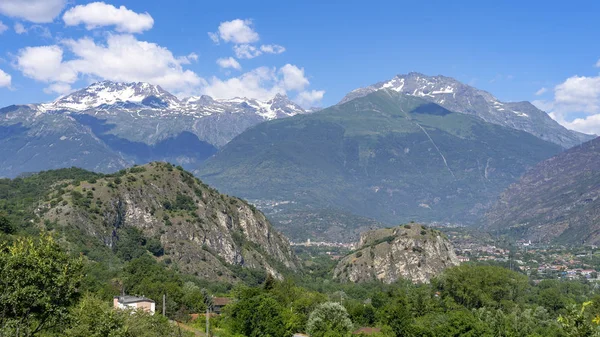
x=329, y=319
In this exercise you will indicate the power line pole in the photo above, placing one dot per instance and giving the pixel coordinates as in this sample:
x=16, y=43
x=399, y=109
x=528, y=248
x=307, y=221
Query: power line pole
x=164, y=304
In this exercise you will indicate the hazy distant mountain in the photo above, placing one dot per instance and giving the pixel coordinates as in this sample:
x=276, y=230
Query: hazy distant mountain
x=388, y=156
x=108, y=126
x=456, y=96
x=559, y=199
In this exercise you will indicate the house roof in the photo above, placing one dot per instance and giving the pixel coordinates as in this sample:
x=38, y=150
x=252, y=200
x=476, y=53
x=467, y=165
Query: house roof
x=221, y=301
x=132, y=299
x=366, y=331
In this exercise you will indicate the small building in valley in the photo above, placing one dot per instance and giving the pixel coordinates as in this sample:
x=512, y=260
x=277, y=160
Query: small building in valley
x=219, y=303
x=134, y=303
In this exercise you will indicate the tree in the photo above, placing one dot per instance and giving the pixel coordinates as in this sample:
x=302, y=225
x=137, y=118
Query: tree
x=482, y=286
x=329, y=319
x=38, y=283
x=5, y=225
x=257, y=315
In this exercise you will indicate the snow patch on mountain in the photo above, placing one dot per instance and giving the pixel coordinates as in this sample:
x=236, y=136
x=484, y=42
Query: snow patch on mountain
x=134, y=98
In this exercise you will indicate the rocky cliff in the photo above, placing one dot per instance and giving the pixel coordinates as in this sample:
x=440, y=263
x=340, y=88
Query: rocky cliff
x=412, y=252
x=201, y=231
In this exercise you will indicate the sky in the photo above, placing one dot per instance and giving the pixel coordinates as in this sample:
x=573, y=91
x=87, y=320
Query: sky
x=546, y=52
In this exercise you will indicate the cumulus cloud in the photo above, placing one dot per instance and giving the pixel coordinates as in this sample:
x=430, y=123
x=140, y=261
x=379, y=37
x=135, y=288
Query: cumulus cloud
x=19, y=28
x=3, y=27
x=272, y=48
x=5, y=79
x=310, y=98
x=242, y=34
x=39, y=11
x=45, y=64
x=100, y=14
x=541, y=91
x=263, y=83
x=58, y=88
x=293, y=77
x=237, y=31
x=121, y=58
x=246, y=51
x=577, y=95
x=229, y=62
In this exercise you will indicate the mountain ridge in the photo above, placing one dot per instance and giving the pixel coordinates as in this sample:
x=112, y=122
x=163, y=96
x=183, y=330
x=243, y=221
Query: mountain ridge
x=387, y=156
x=556, y=201
x=459, y=97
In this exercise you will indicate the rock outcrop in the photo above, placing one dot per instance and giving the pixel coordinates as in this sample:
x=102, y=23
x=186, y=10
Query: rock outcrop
x=412, y=252
x=203, y=232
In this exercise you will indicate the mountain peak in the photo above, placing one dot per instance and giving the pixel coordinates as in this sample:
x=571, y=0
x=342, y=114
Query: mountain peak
x=109, y=93
x=456, y=96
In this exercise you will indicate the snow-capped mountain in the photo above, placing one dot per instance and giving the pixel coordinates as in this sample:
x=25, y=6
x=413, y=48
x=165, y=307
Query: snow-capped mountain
x=463, y=98
x=108, y=126
x=108, y=93
x=135, y=97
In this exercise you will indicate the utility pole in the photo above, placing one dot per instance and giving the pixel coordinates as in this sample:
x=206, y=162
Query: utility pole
x=164, y=304
x=207, y=321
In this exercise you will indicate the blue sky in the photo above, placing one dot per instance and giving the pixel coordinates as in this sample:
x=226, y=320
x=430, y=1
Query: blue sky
x=315, y=51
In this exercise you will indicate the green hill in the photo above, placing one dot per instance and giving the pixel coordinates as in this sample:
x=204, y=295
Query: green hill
x=156, y=209
x=386, y=156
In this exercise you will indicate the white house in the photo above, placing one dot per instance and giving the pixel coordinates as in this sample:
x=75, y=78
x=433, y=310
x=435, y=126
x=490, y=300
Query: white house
x=134, y=302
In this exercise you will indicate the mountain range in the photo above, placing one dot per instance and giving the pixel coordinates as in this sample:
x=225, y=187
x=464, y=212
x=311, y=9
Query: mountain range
x=416, y=147
x=108, y=126
x=387, y=155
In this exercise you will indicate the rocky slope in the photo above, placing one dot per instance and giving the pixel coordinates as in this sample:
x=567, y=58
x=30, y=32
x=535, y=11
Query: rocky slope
x=201, y=231
x=557, y=200
x=456, y=96
x=412, y=252
x=108, y=126
x=386, y=156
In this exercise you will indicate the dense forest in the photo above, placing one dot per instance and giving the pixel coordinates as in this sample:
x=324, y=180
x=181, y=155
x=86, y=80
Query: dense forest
x=55, y=281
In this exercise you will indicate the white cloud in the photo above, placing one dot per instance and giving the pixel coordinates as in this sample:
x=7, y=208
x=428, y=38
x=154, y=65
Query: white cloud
x=237, y=31
x=19, y=28
x=541, y=91
x=38, y=29
x=229, y=62
x=246, y=51
x=293, y=77
x=45, y=64
x=3, y=27
x=121, y=58
x=576, y=96
x=100, y=14
x=310, y=98
x=58, y=88
x=598, y=63
x=39, y=11
x=5, y=79
x=214, y=37
x=263, y=83
x=272, y=48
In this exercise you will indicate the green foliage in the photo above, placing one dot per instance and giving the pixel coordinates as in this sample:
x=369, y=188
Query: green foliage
x=257, y=314
x=5, y=225
x=38, y=282
x=479, y=286
x=329, y=319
